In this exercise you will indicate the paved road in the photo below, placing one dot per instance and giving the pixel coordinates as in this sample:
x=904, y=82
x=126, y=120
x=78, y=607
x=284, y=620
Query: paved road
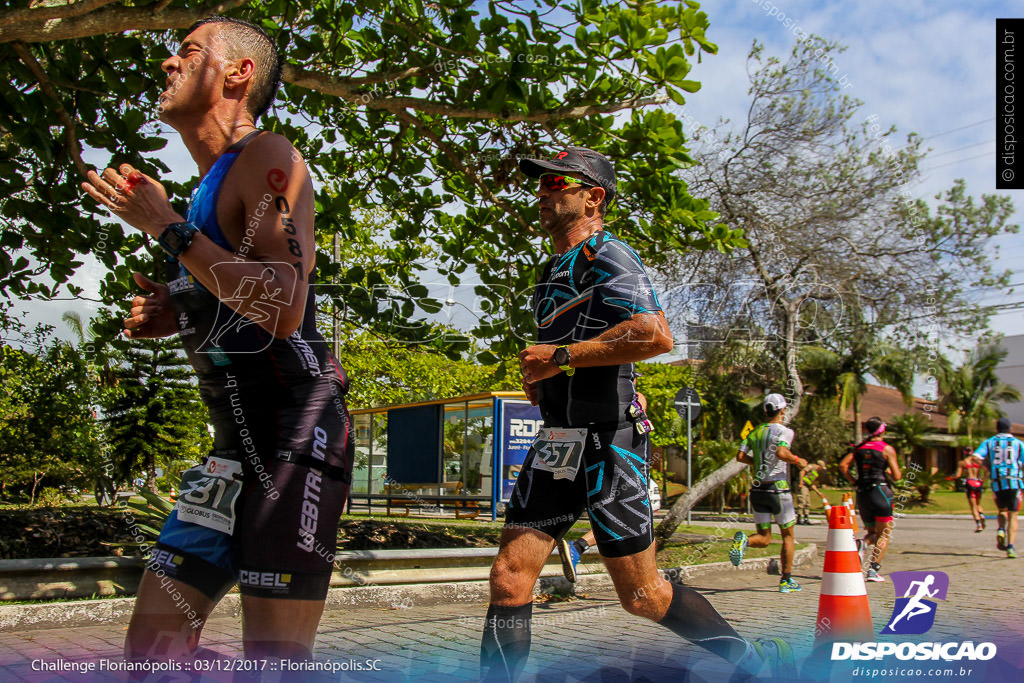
x=592, y=639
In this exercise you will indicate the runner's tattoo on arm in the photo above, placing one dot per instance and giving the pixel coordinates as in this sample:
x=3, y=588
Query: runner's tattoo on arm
x=289, y=227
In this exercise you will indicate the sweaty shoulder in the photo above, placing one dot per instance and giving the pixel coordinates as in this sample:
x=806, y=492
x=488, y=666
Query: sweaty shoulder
x=268, y=151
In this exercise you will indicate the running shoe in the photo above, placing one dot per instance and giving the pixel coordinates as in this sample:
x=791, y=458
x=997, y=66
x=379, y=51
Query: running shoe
x=570, y=557
x=979, y=527
x=1001, y=539
x=1011, y=553
x=739, y=546
x=777, y=656
x=873, y=575
x=789, y=586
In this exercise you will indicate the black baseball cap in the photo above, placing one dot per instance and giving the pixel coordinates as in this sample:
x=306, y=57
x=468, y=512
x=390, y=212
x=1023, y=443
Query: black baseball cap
x=593, y=166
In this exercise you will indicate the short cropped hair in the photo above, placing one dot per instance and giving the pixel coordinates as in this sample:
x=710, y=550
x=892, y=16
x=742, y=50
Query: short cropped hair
x=242, y=39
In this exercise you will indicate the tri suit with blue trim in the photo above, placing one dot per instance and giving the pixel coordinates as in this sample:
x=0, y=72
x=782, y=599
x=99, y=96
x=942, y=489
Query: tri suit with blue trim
x=594, y=286
x=278, y=407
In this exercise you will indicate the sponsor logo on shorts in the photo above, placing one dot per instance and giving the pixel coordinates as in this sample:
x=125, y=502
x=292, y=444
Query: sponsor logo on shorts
x=264, y=579
x=311, y=494
x=181, y=284
x=183, y=325
x=165, y=558
x=305, y=353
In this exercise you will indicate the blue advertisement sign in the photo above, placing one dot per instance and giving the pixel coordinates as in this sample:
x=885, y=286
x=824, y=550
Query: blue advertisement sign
x=520, y=423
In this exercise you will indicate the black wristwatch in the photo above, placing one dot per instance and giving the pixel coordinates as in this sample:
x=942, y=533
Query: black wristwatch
x=176, y=238
x=561, y=358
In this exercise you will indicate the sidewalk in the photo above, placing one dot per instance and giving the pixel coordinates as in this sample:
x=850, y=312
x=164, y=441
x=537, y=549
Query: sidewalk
x=588, y=639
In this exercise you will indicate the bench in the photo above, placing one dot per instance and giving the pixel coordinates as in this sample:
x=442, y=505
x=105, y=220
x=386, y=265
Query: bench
x=407, y=495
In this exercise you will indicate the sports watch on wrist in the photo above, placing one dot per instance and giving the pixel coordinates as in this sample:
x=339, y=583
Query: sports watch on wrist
x=176, y=238
x=561, y=358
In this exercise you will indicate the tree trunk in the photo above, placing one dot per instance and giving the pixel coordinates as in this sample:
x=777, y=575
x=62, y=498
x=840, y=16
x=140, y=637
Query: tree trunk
x=151, y=474
x=700, y=489
x=857, y=434
x=794, y=385
x=36, y=478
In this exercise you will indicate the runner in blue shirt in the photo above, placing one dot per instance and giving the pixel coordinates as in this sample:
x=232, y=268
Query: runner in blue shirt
x=1003, y=455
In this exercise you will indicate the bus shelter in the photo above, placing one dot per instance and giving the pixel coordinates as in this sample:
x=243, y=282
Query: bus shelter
x=443, y=451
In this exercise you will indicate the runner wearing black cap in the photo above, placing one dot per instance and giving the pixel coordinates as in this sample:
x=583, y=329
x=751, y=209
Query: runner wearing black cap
x=596, y=314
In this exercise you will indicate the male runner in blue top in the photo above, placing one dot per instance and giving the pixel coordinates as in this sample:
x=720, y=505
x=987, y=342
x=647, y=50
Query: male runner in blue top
x=263, y=508
x=596, y=314
x=1002, y=455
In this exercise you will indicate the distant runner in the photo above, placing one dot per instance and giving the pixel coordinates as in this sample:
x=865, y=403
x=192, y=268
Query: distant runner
x=808, y=482
x=1002, y=455
x=874, y=458
x=767, y=449
x=972, y=472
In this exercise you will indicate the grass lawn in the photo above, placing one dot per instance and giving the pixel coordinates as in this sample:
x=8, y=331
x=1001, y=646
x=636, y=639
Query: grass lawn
x=941, y=501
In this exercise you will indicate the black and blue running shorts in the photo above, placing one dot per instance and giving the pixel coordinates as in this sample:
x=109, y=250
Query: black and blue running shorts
x=611, y=484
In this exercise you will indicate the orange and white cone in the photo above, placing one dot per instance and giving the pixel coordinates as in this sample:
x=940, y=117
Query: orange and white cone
x=848, y=502
x=843, y=609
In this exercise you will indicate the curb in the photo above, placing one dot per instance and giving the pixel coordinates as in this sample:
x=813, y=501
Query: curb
x=119, y=610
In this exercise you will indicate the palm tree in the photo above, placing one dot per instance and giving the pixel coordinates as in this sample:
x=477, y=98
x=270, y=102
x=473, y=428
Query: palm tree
x=710, y=456
x=907, y=433
x=846, y=375
x=971, y=394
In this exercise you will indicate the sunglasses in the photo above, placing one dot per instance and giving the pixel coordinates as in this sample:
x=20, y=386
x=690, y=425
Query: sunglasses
x=557, y=183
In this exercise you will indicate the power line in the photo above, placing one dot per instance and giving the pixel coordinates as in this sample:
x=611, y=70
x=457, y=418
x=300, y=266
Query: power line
x=960, y=149
x=953, y=130
x=952, y=163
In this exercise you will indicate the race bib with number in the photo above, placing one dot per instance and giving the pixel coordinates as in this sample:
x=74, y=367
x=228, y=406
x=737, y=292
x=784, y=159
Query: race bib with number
x=559, y=450
x=208, y=494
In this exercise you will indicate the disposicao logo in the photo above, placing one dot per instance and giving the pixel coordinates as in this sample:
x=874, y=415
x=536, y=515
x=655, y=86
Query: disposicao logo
x=914, y=613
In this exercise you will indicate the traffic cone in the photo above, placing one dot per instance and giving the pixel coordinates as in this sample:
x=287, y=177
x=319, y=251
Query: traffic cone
x=843, y=609
x=848, y=502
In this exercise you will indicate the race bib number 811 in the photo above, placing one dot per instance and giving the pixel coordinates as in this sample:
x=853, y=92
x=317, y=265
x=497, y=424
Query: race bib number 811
x=208, y=494
x=559, y=451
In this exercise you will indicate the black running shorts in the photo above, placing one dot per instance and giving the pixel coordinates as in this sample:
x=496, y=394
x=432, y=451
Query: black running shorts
x=611, y=484
x=1008, y=499
x=875, y=503
x=285, y=533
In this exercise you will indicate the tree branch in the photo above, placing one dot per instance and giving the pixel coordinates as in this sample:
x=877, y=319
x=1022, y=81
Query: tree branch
x=346, y=89
x=71, y=140
x=456, y=162
x=110, y=20
x=49, y=13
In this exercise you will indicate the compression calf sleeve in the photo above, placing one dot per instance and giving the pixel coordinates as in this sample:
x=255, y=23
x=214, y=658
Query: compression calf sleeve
x=506, y=642
x=691, y=616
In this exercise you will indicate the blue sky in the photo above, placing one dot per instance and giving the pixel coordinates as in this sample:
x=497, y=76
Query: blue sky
x=925, y=67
